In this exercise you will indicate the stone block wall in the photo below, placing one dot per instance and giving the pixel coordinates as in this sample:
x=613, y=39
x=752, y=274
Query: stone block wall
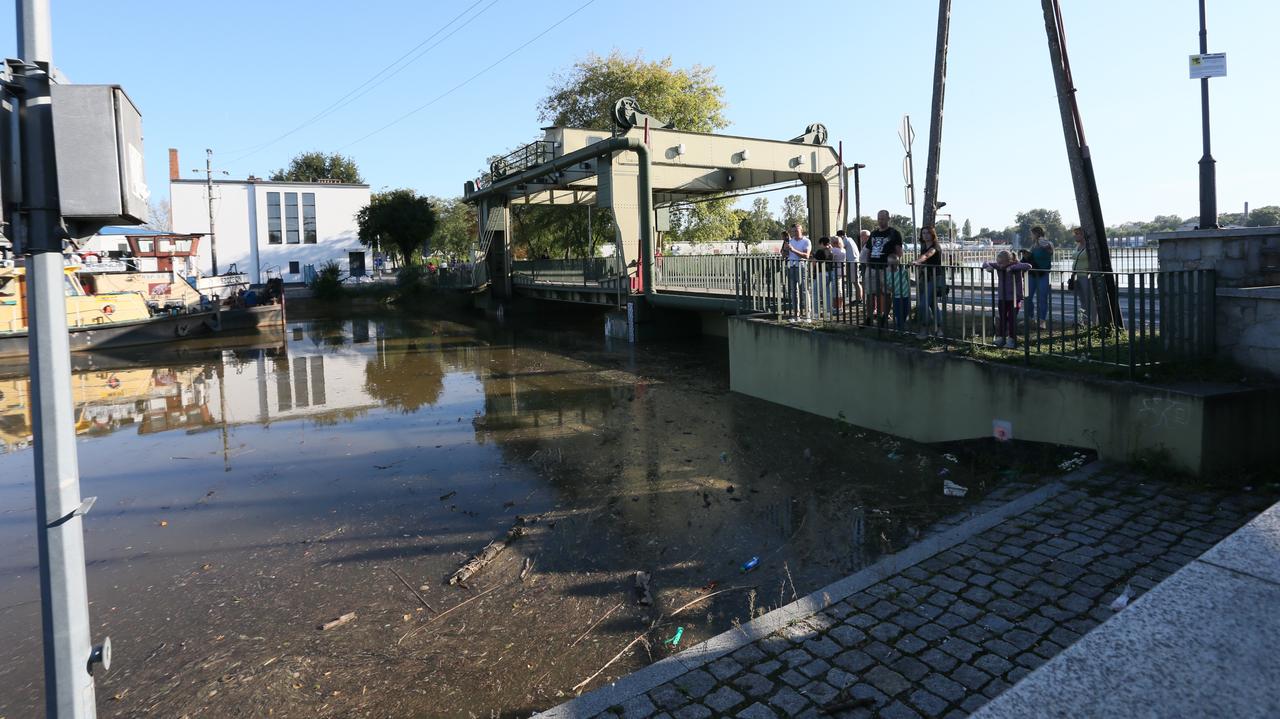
x=1244, y=257
x=1248, y=327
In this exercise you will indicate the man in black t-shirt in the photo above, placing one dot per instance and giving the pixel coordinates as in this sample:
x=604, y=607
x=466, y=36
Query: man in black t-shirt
x=884, y=242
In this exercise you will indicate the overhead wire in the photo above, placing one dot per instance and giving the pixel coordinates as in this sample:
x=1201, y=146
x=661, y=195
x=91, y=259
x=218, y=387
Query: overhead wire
x=368, y=85
x=462, y=84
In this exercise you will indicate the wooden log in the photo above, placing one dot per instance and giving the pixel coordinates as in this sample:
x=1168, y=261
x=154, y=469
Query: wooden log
x=488, y=554
x=335, y=623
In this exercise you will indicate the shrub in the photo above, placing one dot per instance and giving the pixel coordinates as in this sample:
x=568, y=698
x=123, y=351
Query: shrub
x=327, y=284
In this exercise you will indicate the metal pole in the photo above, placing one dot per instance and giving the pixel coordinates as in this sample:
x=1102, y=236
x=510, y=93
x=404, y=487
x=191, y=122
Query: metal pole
x=857, y=197
x=935, y=117
x=208, y=181
x=1208, y=178
x=64, y=598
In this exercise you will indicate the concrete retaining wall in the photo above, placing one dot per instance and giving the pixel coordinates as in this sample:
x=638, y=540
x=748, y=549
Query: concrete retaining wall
x=935, y=396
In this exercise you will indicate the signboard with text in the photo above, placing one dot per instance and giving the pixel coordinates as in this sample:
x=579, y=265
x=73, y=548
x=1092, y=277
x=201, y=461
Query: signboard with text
x=1212, y=64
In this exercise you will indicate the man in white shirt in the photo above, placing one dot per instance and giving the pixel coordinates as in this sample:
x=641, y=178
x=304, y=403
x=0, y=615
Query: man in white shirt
x=798, y=250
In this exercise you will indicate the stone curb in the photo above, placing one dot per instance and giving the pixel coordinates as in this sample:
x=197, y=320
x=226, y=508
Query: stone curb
x=663, y=671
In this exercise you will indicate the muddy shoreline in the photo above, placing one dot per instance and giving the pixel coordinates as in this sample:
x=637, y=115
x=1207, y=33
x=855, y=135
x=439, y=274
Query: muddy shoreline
x=308, y=475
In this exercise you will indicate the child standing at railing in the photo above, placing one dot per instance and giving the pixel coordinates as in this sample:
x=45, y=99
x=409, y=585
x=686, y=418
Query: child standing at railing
x=1008, y=296
x=898, y=286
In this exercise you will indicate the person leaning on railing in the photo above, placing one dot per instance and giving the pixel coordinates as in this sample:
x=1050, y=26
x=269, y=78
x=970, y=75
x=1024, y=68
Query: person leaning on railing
x=1079, y=282
x=838, y=258
x=1008, y=296
x=797, y=251
x=932, y=282
x=1038, y=279
x=884, y=242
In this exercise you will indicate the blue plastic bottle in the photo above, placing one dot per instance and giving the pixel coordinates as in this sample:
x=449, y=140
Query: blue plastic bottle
x=751, y=564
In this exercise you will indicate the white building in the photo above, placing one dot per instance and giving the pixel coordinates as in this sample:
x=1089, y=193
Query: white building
x=264, y=226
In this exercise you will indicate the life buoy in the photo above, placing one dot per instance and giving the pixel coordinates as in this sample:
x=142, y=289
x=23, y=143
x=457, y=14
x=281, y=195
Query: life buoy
x=182, y=330
x=108, y=309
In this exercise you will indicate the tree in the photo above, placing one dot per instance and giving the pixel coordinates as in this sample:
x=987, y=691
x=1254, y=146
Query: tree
x=756, y=226
x=967, y=231
x=794, y=210
x=159, y=215
x=456, y=229
x=316, y=166
x=397, y=221
x=1050, y=220
x=1268, y=216
x=585, y=95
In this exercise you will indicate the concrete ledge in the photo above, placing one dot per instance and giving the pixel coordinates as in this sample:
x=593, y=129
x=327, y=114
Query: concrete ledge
x=936, y=396
x=1201, y=643
x=665, y=670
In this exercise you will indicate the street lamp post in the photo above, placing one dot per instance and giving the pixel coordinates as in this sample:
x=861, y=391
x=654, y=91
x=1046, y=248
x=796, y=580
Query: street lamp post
x=1208, y=179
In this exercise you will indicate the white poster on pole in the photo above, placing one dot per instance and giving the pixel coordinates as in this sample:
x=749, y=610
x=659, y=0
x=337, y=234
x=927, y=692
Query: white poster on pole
x=1212, y=64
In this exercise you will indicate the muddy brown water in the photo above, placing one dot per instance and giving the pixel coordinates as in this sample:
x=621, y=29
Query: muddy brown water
x=250, y=491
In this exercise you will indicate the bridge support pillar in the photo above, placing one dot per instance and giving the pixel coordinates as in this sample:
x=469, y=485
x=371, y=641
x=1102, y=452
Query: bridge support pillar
x=639, y=321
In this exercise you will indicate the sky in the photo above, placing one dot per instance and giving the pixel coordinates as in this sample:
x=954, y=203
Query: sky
x=259, y=82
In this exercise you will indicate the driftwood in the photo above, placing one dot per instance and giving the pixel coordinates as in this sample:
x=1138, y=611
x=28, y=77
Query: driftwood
x=335, y=623
x=488, y=554
x=595, y=624
x=424, y=602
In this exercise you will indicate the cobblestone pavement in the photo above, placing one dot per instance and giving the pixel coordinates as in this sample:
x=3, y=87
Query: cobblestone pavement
x=941, y=638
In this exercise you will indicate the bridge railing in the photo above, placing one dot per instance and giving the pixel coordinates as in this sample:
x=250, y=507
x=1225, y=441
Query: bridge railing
x=579, y=272
x=1156, y=317
x=1124, y=258
x=708, y=274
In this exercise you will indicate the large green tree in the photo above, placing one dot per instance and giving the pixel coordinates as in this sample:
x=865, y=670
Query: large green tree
x=1050, y=220
x=584, y=96
x=794, y=209
x=757, y=225
x=967, y=231
x=316, y=166
x=398, y=221
x=455, y=231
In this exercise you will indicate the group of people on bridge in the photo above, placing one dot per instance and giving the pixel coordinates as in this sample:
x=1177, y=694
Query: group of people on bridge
x=839, y=271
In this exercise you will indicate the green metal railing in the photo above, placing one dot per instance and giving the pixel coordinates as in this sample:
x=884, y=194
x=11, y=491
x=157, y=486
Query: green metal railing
x=602, y=272
x=710, y=274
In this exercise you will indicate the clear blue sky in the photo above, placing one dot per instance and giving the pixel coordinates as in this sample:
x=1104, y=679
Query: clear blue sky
x=233, y=75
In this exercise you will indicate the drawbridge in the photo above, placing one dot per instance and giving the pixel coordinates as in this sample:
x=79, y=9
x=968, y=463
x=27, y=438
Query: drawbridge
x=641, y=170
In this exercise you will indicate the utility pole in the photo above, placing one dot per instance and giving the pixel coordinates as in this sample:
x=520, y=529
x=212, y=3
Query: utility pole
x=1106, y=298
x=1208, y=174
x=908, y=137
x=935, y=117
x=208, y=184
x=857, y=198
x=69, y=658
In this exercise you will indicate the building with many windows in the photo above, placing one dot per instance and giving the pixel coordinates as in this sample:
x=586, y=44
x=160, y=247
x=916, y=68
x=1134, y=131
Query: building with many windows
x=261, y=227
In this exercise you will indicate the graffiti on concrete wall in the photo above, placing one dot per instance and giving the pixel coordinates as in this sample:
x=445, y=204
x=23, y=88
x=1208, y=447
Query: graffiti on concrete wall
x=1158, y=412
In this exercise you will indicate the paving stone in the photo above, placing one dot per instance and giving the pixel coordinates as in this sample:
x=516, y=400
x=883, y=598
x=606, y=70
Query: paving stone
x=795, y=657
x=1048, y=649
x=929, y=704
x=959, y=648
x=931, y=632
x=1001, y=648
x=757, y=711
x=995, y=688
x=995, y=623
x=920, y=591
x=928, y=611
x=959, y=574
x=978, y=595
x=881, y=652
x=971, y=677
x=1021, y=638
x=822, y=647
x=793, y=678
x=939, y=660
x=723, y=699
x=847, y=635
x=993, y=664
x=1030, y=660
x=911, y=668
x=944, y=687
x=853, y=660
x=973, y=703
x=1037, y=623
x=951, y=621
x=947, y=584
x=898, y=710
x=974, y=633
x=798, y=633
x=815, y=668
x=724, y=668
x=910, y=644
x=789, y=701
x=821, y=622
x=819, y=692
x=909, y=620
x=697, y=683
x=748, y=655
x=1075, y=603
x=638, y=708
x=1014, y=577
x=1056, y=614
x=1064, y=636
x=915, y=573
x=886, y=631
x=767, y=668
x=692, y=711
x=840, y=610
x=883, y=609
x=942, y=599
x=774, y=645
x=668, y=697
x=887, y=680
x=753, y=685
x=862, y=600
x=967, y=611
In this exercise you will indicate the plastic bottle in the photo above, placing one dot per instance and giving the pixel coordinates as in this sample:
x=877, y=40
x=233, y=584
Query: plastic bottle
x=751, y=564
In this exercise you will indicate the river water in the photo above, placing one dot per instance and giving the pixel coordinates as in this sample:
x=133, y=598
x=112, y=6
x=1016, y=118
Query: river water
x=250, y=491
